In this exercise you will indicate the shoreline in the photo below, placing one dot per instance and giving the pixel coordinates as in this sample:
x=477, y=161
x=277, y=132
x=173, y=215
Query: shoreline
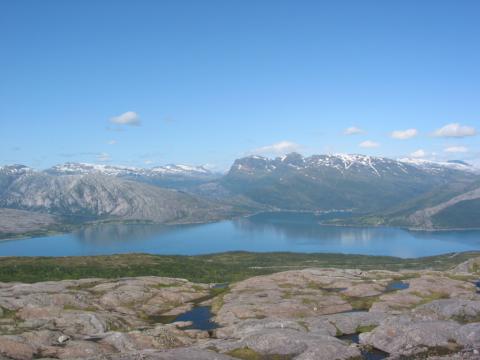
x=68, y=228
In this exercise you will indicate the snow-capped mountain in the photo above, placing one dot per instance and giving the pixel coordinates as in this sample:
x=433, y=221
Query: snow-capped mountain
x=346, y=163
x=339, y=181
x=85, y=168
x=169, y=176
x=15, y=170
x=115, y=170
x=181, y=169
x=438, y=166
x=363, y=185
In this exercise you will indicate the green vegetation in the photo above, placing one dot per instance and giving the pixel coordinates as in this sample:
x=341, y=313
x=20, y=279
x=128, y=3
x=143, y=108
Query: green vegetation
x=360, y=303
x=364, y=329
x=465, y=214
x=218, y=268
x=431, y=296
x=249, y=354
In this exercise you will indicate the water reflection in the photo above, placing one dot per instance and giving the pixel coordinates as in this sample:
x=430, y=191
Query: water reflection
x=294, y=232
x=307, y=227
x=114, y=233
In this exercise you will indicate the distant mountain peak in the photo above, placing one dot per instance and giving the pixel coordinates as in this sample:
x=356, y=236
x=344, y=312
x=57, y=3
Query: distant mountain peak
x=72, y=168
x=434, y=166
x=461, y=162
x=344, y=164
x=15, y=169
x=181, y=169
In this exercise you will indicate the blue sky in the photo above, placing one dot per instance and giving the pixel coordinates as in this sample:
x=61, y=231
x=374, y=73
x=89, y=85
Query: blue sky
x=145, y=83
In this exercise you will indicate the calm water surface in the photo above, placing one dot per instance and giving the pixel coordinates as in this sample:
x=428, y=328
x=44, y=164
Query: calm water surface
x=295, y=232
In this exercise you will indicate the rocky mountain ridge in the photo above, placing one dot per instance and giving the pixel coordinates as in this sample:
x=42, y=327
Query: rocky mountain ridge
x=362, y=185
x=116, y=170
x=359, y=183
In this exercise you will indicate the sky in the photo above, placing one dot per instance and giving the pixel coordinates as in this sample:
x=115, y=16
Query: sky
x=146, y=83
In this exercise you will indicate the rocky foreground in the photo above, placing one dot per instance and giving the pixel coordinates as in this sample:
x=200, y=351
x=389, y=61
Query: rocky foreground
x=302, y=314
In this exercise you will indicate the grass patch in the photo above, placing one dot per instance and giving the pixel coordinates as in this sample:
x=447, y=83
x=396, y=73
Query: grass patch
x=68, y=307
x=462, y=277
x=360, y=303
x=218, y=301
x=218, y=268
x=249, y=354
x=7, y=314
x=430, y=297
x=364, y=329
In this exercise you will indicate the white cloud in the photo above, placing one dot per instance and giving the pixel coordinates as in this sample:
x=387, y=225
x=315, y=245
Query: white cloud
x=148, y=162
x=353, y=130
x=456, y=149
x=420, y=153
x=127, y=118
x=111, y=142
x=104, y=157
x=404, y=134
x=455, y=130
x=369, y=144
x=280, y=148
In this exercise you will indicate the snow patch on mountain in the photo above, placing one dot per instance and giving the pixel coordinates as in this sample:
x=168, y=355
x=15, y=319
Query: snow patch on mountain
x=15, y=169
x=114, y=170
x=345, y=164
x=436, y=166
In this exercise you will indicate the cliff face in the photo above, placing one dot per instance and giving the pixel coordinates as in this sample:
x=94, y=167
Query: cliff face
x=95, y=196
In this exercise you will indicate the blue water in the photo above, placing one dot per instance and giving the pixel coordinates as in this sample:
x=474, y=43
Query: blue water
x=264, y=232
x=397, y=285
x=200, y=316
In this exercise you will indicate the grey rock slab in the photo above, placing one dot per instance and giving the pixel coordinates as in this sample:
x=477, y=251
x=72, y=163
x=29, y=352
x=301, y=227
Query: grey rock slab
x=407, y=336
x=174, y=354
x=348, y=323
x=450, y=309
x=16, y=347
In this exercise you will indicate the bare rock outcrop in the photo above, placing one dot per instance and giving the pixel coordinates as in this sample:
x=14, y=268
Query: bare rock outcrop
x=301, y=314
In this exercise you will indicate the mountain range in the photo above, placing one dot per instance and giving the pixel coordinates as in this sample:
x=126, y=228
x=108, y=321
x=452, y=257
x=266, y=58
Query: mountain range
x=375, y=190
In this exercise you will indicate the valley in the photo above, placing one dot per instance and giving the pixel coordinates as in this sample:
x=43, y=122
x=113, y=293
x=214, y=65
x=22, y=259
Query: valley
x=375, y=191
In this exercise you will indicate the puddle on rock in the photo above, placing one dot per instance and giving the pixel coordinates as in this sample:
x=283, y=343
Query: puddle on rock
x=335, y=290
x=373, y=354
x=397, y=285
x=351, y=338
x=200, y=316
x=220, y=286
x=368, y=353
